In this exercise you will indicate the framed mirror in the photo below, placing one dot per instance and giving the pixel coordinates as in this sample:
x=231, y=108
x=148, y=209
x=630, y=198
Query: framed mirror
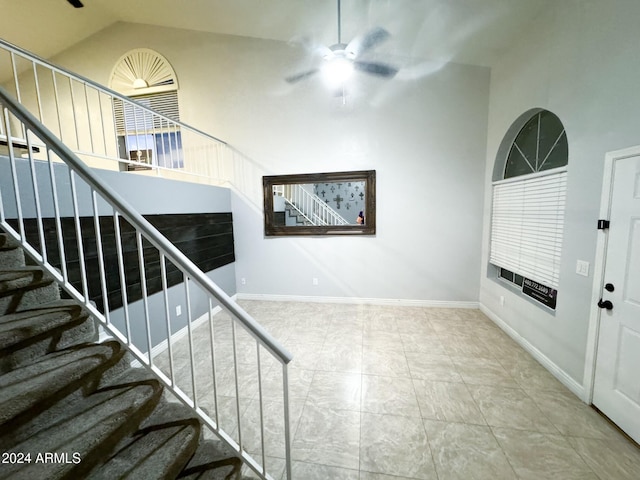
x=336, y=203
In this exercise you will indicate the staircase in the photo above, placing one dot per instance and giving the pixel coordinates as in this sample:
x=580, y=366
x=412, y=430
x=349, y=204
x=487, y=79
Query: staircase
x=297, y=217
x=73, y=408
x=50, y=371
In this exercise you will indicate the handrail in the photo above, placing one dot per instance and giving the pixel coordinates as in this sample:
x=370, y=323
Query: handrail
x=144, y=230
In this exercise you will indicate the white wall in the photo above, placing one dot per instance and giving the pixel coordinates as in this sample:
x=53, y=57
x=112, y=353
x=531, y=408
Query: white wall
x=425, y=138
x=579, y=60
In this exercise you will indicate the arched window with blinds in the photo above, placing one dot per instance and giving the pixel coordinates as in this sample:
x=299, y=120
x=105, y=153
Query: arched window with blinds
x=527, y=220
x=146, y=77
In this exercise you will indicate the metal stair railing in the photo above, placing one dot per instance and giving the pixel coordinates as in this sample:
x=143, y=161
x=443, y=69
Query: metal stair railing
x=310, y=205
x=82, y=114
x=246, y=382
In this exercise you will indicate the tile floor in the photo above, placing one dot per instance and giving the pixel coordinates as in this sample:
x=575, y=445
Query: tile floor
x=395, y=393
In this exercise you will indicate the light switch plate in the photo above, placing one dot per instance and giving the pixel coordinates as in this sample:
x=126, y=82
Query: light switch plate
x=582, y=268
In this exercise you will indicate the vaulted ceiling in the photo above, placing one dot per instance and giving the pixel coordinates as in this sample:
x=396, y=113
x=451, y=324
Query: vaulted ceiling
x=466, y=31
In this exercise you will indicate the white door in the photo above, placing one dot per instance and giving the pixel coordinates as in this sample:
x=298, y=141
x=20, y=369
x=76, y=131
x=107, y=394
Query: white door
x=617, y=379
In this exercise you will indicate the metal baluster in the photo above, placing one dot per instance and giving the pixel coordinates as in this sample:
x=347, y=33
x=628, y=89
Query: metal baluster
x=36, y=199
x=57, y=99
x=103, y=277
x=56, y=211
x=167, y=315
x=213, y=363
x=76, y=220
x=134, y=110
x=104, y=133
x=143, y=286
x=154, y=143
x=287, y=431
x=171, y=149
x=260, y=399
x=145, y=127
x=190, y=332
x=15, y=77
x=164, y=152
x=235, y=372
x=14, y=174
x=123, y=280
x=86, y=100
x=37, y=85
x=73, y=111
x=115, y=126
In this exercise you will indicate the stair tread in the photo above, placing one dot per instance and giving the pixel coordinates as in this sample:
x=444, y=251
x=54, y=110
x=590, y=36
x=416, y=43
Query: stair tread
x=23, y=287
x=90, y=428
x=11, y=257
x=160, y=448
x=8, y=242
x=22, y=277
x=213, y=460
x=29, y=388
x=61, y=411
x=27, y=325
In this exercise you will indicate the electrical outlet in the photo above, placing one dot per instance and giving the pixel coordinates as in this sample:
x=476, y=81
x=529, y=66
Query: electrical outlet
x=314, y=281
x=502, y=300
x=178, y=310
x=243, y=281
x=582, y=268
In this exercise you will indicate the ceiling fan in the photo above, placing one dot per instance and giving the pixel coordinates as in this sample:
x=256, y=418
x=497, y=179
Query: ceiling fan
x=340, y=59
x=76, y=3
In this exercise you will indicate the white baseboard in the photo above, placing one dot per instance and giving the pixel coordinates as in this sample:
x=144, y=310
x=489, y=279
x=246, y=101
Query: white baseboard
x=358, y=300
x=554, y=369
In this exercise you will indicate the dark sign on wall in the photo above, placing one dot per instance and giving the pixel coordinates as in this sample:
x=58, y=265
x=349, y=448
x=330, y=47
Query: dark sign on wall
x=543, y=294
x=205, y=238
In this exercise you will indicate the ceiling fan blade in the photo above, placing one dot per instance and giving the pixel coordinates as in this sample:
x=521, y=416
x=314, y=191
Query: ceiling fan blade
x=301, y=76
x=76, y=3
x=362, y=43
x=379, y=69
x=311, y=47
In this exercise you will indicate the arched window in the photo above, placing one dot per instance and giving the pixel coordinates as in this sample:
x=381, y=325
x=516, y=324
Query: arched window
x=147, y=77
x=529, y=193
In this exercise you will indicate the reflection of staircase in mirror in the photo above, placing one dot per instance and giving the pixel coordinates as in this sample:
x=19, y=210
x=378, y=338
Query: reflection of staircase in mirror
x=305, y=208
x=295, y=218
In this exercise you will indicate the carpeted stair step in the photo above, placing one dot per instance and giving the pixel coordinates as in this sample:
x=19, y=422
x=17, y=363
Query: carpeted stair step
x=212, y=461
x=160, y=448
x=77, y=402
x=27, y=335
x=27, y=391
x=88, y=429
x=25, y=287
x=11, y=255
x=7, y=241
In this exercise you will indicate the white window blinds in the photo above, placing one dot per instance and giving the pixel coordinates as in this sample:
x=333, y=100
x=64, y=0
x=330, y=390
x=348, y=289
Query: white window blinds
x=527, y=225
x=130, y=118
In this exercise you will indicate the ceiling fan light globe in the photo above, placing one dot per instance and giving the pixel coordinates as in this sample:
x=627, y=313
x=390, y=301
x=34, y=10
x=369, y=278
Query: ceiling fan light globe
x=337, y=71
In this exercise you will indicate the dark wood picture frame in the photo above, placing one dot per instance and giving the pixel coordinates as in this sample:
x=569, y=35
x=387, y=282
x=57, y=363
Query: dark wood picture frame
x=369, y=227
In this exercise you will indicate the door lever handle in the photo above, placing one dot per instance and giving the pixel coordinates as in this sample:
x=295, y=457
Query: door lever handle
x=606, y=304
